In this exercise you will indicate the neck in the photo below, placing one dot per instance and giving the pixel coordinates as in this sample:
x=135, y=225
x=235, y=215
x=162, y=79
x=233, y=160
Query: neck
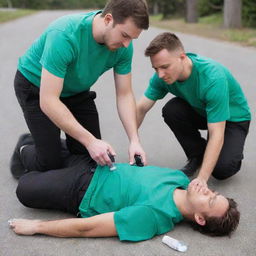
x=188, y=65
x=180, y=199
x=97, y=28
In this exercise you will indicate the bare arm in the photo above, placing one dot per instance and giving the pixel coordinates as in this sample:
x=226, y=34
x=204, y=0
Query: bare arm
x=143, y=106
x=213, y=148
x=97, y=226
x=50, y=90
x=127, y=112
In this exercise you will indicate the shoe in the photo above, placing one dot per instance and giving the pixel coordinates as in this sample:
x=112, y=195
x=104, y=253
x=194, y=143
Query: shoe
x=16, y=166
x=192, y=165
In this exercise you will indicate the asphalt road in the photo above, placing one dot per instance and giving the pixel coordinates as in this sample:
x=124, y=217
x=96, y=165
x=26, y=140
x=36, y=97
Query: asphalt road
x=158, y=142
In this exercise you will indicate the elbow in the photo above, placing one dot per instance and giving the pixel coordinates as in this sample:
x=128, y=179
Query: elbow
x=45, y=104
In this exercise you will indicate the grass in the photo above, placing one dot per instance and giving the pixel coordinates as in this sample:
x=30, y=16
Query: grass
x=210, y=26
x=8, y=15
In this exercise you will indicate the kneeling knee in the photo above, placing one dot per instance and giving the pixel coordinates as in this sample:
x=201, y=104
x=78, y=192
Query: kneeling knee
x=24, y=191
x=223, y=171
x=171, y=108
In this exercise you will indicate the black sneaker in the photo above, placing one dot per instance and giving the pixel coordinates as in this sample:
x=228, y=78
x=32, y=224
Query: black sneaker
x=16, y=166
x=192, y=165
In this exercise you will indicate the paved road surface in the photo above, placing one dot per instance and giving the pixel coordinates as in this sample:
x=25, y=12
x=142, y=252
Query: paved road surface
x=161, y=147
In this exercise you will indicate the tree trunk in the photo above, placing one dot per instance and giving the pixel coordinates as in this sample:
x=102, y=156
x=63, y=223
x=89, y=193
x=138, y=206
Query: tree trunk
x=155, y=8
x=232, y=13
x=191, y=11
x=9, y=3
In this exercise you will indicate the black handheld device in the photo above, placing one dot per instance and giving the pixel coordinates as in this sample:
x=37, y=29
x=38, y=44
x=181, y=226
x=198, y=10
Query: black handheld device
x=138, y=160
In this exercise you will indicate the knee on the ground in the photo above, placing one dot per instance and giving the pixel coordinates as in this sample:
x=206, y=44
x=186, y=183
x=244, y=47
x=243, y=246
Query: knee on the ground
x=224, y=170
x=25, y=190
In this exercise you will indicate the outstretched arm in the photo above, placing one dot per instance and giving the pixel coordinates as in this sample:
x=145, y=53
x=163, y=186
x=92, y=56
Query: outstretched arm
x=127, y=112
x=97, y=226
x=212, y=151
x=143, y=106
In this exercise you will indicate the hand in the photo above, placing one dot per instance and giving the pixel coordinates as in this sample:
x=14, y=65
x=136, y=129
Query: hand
x=136, y=149
x=23, y=226
x=200, y=183
x=99, y=150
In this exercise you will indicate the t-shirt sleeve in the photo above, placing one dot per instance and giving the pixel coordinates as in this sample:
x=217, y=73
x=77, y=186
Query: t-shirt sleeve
x=124, y=64
x=217, y=101
x=58, y=53
x=135, y=223
x=156, y=89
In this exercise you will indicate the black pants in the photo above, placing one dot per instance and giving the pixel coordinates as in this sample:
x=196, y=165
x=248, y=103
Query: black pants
x=61, y=189
x=185, y=123
x=46, y=153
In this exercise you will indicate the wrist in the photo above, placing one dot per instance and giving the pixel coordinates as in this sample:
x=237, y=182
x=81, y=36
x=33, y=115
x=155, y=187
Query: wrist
x=135, y=140
x=203, y=176
x=37, y=227
x=87, y=139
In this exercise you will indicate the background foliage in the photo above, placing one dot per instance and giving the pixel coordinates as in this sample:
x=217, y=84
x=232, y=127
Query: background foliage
x=168, y=8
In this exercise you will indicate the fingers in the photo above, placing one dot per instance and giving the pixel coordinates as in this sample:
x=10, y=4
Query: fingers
x=144, y=159
x=111, y=151
x=99, y=151
x=136, y=149
x=131, y=158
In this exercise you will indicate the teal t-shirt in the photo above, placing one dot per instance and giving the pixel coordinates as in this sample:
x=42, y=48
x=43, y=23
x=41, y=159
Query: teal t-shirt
x=141, y=197
x=210, y=89
x=68, y=50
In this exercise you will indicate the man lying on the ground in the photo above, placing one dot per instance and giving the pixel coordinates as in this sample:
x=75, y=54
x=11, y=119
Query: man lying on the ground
x=131, y=202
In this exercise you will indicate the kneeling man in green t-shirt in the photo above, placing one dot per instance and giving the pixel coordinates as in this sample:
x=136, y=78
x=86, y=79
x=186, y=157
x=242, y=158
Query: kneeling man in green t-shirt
x=131, y=202
x=208, y=97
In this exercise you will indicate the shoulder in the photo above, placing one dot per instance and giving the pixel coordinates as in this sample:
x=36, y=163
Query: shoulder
x=207, y=68
x=71, y=22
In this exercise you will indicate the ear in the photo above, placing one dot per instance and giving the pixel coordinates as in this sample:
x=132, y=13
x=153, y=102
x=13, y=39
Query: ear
x=199, y=219
x=108, y=18
x=183, y=55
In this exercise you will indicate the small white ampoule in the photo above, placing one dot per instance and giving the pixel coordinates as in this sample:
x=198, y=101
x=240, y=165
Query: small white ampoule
x=112, y=167
x=174, y=244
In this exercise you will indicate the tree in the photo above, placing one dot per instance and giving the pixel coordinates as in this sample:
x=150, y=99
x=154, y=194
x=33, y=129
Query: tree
x=9, y=3
x=232, y=13
x=191, y=11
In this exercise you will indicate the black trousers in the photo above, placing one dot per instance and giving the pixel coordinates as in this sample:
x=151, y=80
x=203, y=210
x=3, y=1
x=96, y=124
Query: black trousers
x=185, y=123
x=60, y=189
x=46, y=153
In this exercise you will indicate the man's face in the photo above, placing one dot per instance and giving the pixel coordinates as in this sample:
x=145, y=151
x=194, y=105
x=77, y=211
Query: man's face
x=169, y=65
x=206, y=202
x=119, y=35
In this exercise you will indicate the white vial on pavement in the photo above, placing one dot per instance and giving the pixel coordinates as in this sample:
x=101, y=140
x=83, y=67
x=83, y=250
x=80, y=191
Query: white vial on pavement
x=174, y=244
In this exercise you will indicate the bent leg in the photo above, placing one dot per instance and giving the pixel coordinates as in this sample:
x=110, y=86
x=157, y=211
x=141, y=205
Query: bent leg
x=185, y=124
x=231, y=155
x=60, y=189
x=45, y=154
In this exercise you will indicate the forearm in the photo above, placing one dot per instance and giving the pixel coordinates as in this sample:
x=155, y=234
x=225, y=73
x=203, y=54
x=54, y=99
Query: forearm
x=97, y=226
x=142, y=107
x=127, y=113
x=211, y=156
x=61, y=228
x=140, y=116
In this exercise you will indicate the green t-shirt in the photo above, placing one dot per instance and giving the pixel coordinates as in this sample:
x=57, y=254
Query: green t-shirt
x=210, y=89
x=141, y=197
x=68, y=50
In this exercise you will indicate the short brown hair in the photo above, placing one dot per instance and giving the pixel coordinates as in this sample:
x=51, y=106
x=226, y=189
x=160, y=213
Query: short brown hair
x=166, y=40
x=221, y=226
x=124, y=9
